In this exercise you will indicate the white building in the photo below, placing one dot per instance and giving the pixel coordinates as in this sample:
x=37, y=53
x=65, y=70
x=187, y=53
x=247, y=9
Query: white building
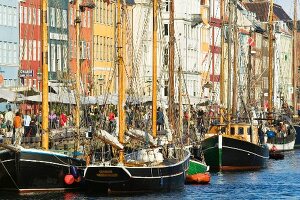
x=187, y=46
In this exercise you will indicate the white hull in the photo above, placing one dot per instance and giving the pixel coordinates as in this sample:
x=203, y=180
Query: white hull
x=283, y=147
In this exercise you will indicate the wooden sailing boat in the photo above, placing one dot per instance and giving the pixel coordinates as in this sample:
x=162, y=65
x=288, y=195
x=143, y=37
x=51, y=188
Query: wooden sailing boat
x=140, y=171
x=233, y=145
x=26, y=170
x=280, y=136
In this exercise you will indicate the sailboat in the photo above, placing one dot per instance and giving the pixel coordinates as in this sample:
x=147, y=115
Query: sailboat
x=145, y=170
x=27, y=170
x=233, y=145
x=281, y=134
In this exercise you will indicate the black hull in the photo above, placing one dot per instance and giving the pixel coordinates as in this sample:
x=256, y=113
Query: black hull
x=121, y=179
x=28, y=171
x=297, y=142
x=232, y=154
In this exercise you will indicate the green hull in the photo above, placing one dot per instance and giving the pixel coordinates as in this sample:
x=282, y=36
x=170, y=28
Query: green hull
x=196, y=167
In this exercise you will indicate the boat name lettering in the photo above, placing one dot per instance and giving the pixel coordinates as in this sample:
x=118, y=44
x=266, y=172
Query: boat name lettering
x=106, y=173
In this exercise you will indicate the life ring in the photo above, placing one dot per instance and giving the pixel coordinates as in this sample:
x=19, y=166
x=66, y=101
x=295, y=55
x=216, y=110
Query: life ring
x=69, y=179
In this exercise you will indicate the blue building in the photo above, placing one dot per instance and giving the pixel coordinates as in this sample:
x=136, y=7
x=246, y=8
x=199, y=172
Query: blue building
x=9, y=43
x=58, y=38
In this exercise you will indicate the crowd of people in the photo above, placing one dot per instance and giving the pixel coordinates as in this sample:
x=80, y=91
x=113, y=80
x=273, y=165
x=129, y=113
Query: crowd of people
x=26, y=124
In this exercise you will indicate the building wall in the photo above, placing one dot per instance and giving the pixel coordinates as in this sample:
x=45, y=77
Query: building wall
x=58, y=39
x=104, y=47
x=187, y=46
x=9, y=42
x=30, y=43
x=86, y=33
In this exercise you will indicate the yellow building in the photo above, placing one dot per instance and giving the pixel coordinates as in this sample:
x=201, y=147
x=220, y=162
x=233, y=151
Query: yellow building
x=105, y=53
x=104, y=48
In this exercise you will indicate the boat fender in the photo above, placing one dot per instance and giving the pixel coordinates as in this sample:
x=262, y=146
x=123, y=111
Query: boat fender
x=69, y=179
x=74, y=171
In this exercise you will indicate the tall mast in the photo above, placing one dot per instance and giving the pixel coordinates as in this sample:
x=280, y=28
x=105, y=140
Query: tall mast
x=154, y=68
x=270, y=77
x=222, y=86
x=121, y=95
x=77, y=110
x=235, y=63
x=229, y=61
x=45, y=108
x=171, y=65
x=180, y=126
x=295, y=77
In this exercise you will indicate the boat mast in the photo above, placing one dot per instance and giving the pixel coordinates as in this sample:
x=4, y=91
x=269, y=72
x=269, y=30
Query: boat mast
x=222, y=86
x=171, y=65
x=154, y=69
x=45, y=107
x=77, y=91
x=121, y=95
x=295, y=77
x=235, y=63
x=229, y=61
x=270, y=77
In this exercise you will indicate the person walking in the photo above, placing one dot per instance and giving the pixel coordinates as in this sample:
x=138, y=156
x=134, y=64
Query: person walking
x=18, y=129
x=9, y=118
x=27, y=120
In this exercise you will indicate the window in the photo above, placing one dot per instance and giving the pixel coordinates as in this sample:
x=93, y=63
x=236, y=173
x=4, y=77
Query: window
x=166, y=29
x=34, y=50
x=241, y=131
x=39, y=51
x=9, y=16
x=10, y=53
x=64, y=19
x=52, y=67
x=29, y=49
x=166, y=89
x=101, y=48
x=25, y=50
x=21, y=49
x=58, y=18
x=29, y=15
x=39, y=17
x=88, y=19
x=34, y=16
x=58, y=55
x=167, y=5
x=232, y=131
x=65, y=58
x=83, y=17
x=15, y=57
x=52, y=17
x=71, y=16
x=4, y=22
x=15, y=18
x=1, y=15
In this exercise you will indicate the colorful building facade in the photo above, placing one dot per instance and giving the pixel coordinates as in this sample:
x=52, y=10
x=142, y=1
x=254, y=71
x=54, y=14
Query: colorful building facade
x=104, y=47
x=86, y=33
x=9, y=43
x=30, y=43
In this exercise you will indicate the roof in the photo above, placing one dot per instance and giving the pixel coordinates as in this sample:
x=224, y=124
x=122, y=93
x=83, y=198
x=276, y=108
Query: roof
x=262, y=11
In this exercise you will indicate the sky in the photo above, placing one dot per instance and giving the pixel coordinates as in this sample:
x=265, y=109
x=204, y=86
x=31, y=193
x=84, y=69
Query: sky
x=288, y=6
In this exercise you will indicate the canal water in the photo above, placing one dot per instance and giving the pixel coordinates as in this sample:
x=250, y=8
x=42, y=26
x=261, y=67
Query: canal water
x=281, y=180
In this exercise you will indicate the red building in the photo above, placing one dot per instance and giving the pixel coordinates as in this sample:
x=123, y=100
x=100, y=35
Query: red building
x=30, y=43
x=86, y=33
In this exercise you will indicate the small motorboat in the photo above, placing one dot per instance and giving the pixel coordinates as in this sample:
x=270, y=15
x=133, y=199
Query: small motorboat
x=200, y=178
x=276, y=155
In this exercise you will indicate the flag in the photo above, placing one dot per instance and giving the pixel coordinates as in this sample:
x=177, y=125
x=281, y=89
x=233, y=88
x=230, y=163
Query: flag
x=251, y=42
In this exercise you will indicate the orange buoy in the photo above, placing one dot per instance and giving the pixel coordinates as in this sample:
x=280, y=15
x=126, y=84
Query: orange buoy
x=200, y=178
x=69, y=179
